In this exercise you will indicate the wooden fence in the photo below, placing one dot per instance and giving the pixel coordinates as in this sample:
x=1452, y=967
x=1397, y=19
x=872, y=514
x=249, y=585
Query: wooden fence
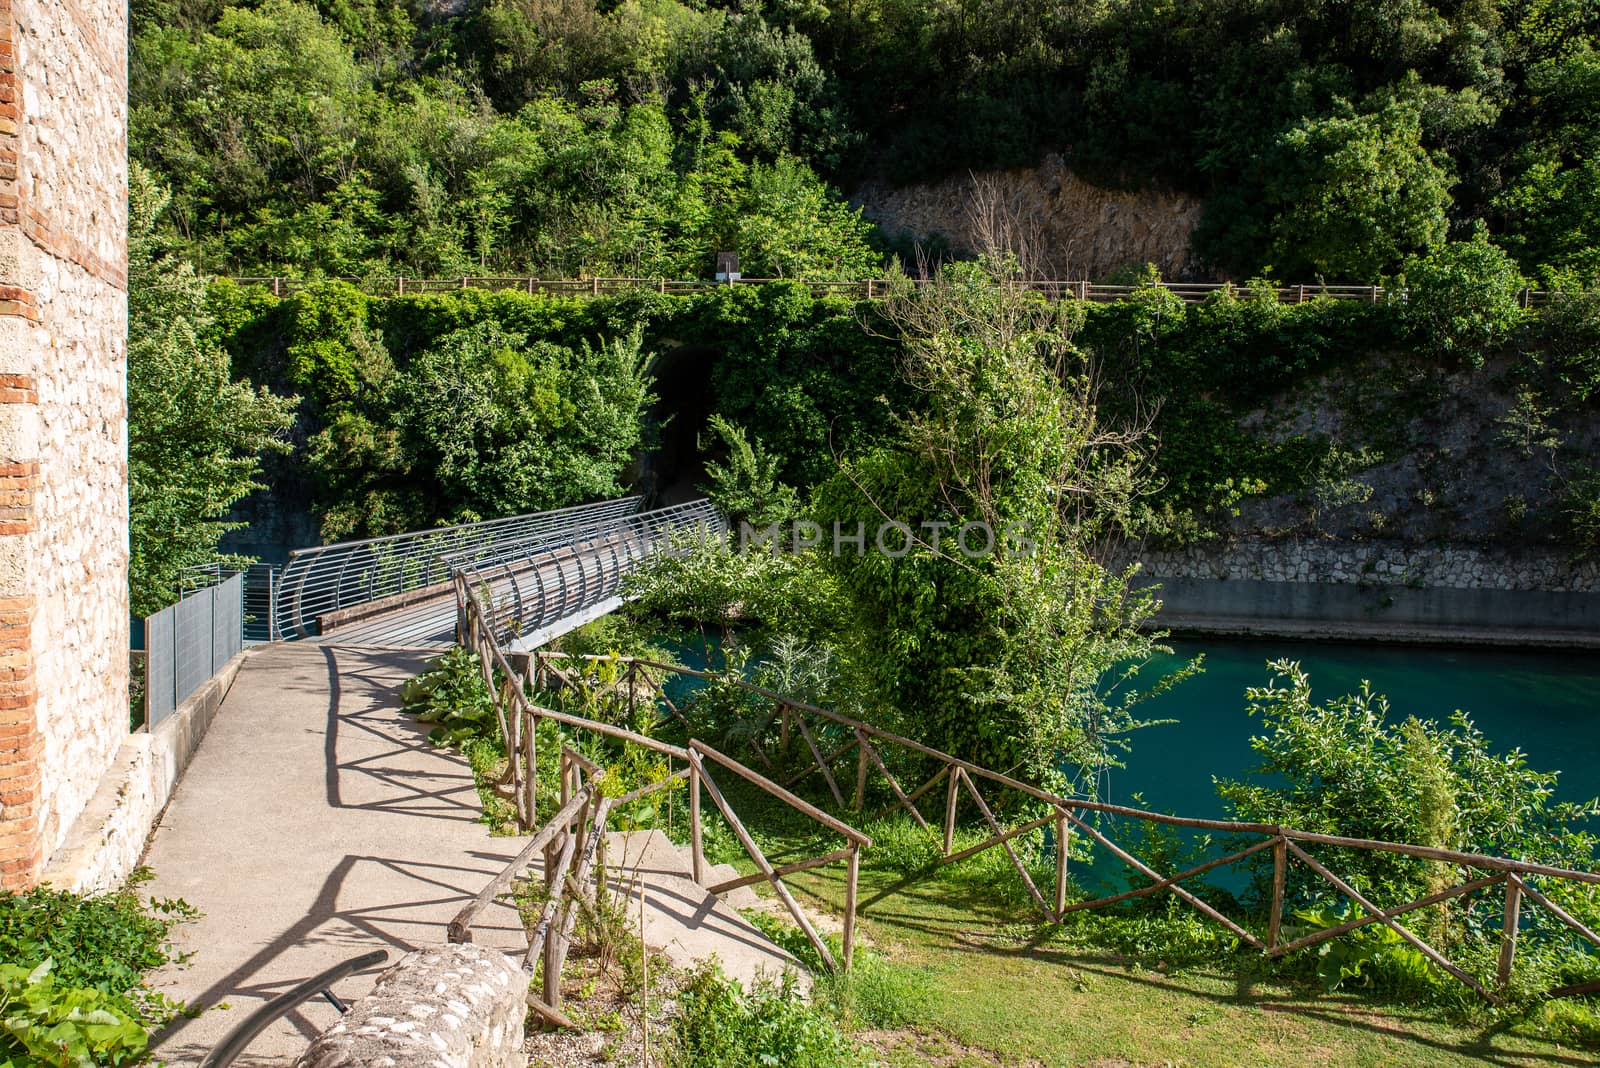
x=830, y=738
x=868, y=289
x=518, y=717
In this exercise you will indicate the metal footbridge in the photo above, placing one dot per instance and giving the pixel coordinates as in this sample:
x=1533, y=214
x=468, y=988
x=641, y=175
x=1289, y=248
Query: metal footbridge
x=545, y=574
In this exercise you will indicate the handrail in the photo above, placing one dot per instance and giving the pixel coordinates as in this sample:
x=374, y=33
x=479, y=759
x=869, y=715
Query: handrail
x=246, y=1030
x=518, y=716
x=1064, y=812
x=603, y=554
x=327, y=578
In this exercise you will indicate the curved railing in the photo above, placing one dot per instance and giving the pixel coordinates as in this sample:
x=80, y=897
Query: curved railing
x=331, y=578
x=246, y=1030
x=528, y=585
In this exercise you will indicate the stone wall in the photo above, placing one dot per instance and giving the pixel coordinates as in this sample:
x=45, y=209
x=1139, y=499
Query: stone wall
x=108, y=838
x=1375, y=562
x=1375, y=590
x=446, y=1006
x=63, y=417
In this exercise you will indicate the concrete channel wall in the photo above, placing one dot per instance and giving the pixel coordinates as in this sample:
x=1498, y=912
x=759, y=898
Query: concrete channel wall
x=1380, y=612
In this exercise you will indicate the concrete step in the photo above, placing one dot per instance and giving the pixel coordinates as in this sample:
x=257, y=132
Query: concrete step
x=685, y=922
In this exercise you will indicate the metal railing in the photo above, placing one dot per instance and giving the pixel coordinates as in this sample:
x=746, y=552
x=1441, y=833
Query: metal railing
x=187, y=643
x=345, y=575
x=246, y=1030
x=260, y=586
x=866, y=288
x=530, y=583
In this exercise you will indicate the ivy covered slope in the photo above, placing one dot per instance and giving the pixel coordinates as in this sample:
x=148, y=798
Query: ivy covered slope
x=558, y=136
x=417, y=410
x=1457, y=415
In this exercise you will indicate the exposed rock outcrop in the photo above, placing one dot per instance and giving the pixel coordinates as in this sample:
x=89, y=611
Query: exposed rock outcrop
x=1065, y=226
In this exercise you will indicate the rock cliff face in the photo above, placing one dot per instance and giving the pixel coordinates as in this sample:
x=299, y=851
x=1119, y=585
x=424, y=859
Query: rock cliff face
x=1061, y=225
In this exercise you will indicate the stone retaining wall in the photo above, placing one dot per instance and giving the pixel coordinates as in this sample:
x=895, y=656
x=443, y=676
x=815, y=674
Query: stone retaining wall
x=1377, y=590
x=1374, y=563
x=446, y=1006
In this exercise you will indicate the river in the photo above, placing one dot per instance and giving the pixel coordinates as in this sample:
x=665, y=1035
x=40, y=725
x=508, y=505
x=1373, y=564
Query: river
x=1546, y=703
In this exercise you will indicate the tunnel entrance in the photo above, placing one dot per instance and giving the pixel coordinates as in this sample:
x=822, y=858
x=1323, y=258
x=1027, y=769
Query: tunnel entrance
x=674, y=470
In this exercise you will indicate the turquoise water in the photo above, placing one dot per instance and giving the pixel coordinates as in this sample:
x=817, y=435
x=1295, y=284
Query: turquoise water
x=1548, y=704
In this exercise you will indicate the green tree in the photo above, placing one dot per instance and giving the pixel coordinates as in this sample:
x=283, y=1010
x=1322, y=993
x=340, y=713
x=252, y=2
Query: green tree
x=195, y=436
x=1359, y=193
x=746, y=488
x=504, y=425
x=1464, y=299
x=996, y=635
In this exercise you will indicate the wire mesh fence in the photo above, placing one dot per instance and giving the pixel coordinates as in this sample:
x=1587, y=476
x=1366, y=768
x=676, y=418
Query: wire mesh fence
x=189, y=642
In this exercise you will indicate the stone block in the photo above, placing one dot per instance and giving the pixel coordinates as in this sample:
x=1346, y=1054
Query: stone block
x=445, y=1006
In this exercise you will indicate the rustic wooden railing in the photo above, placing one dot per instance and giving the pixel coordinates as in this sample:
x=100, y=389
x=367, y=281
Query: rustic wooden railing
x=829, y=737
x=518, y=716
x=866, y=289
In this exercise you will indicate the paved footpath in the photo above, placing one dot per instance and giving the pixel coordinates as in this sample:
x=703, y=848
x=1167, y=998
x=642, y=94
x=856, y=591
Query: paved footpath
x=313, y=824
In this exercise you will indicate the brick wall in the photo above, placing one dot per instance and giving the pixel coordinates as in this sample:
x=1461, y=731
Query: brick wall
x=63, y=416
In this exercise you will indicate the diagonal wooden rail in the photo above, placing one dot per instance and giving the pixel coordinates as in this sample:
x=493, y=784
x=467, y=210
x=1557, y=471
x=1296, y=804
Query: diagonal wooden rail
x=561, y=839
x=829, y=738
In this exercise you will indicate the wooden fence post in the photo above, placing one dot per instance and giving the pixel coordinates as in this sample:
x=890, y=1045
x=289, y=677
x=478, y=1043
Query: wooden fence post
x=861, y=771
x=531, y=770
x=848, y=936
x=950, y=800
x=697, y=852
x=1508, y=930
x=1280, y=864
x=1063, y=842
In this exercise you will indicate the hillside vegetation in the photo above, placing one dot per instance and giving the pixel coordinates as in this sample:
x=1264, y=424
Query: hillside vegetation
x=634, y=138
x=1449, y=146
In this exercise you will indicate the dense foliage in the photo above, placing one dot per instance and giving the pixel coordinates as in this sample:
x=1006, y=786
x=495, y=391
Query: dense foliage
x=563, y=136
x=524, y=138
x=195, y=435
x=72, y=983
x=423, y=409
x=1349, y=767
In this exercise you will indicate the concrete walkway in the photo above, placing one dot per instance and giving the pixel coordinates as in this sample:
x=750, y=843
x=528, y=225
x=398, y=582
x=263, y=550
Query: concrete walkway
x=313, y=824
x=316, y=823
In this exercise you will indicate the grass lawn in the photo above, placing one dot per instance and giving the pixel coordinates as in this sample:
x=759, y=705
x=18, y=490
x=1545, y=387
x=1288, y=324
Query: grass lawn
x=1004, y=991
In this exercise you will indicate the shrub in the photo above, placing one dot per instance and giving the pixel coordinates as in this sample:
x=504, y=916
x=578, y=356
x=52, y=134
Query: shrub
x=72, y=986
x=451, y=695
x=1463, y=299
x=43, y=1022
x=104, y=943
x=720, y=1025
